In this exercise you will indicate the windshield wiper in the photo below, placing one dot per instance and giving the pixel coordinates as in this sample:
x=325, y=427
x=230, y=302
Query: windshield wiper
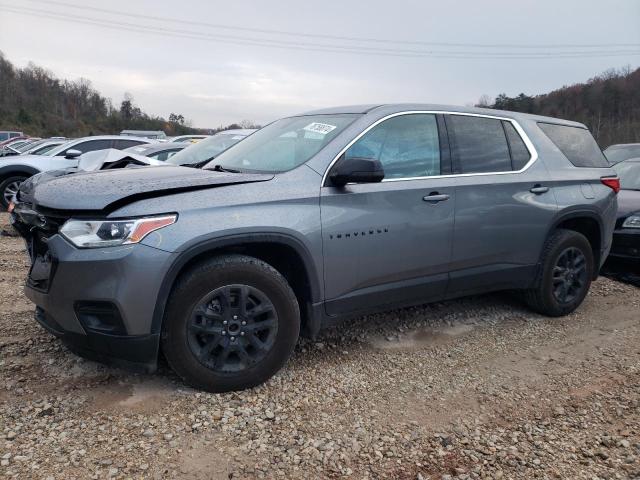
x=220, y=168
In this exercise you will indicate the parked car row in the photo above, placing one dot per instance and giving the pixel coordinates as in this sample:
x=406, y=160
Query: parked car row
x=60, y=154
x=311, y=219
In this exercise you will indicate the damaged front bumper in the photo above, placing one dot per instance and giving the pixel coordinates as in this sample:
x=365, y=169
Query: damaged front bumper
x=99, y=301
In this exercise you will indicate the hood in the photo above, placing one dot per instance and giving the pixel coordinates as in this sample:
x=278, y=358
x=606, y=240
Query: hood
x=91, y=161
x=628, y=202
x=110, y=189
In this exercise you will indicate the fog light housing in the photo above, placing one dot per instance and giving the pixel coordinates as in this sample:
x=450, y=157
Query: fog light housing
x=100, y=317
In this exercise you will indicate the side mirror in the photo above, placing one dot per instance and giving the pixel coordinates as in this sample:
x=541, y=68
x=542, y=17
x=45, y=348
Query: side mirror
x=356, y=170
x=71, y=154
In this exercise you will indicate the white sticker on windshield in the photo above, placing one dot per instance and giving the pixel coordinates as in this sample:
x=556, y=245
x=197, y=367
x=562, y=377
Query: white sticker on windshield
x=237, y=137
x=322, y=128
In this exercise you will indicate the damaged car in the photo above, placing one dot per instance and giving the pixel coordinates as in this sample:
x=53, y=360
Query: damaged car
x=312, y=219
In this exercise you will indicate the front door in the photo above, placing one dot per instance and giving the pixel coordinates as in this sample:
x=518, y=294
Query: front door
x=389, y=243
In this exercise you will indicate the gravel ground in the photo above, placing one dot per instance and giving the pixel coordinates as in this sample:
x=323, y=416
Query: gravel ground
x=474, y=388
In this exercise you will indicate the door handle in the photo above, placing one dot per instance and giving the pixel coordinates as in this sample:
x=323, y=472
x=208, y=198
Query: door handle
x=539, y=189
x=435, y=197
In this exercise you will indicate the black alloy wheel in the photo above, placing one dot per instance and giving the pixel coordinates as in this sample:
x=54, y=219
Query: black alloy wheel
x=569, y=275
x=232, y=328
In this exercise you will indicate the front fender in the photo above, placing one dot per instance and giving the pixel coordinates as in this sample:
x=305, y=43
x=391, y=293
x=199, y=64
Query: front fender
x=211, y=243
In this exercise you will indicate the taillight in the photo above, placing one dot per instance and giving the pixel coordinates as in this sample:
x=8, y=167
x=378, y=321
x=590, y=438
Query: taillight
x=612, y=182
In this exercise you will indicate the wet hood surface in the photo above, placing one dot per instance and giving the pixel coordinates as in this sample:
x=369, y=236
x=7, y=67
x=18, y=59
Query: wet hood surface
x=111, y=189
x=628, y=202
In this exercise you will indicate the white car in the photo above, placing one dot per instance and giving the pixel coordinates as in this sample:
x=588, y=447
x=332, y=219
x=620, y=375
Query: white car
x=16, y=169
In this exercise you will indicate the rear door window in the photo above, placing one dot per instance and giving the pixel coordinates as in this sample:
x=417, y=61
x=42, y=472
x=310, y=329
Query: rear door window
x=478, y=144
x=89, y=146
x=122, y=144
x=576, y=144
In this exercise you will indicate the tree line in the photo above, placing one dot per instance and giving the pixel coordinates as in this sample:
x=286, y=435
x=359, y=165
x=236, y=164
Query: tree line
x=609, y=104
x=34, y=101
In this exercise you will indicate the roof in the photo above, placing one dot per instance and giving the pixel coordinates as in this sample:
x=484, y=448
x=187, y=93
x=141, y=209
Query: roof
x=403, y=107
x=344, y=109
x=113, y=137
x=143, y=132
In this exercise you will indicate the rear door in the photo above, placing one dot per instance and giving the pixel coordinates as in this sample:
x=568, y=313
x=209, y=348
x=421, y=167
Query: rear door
x=504, y=205
x=390, y=243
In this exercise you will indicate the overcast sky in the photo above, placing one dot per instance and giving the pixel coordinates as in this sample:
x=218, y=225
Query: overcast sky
x=229, y=74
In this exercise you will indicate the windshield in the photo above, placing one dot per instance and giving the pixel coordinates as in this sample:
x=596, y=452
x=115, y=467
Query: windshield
x=629, y=173
x=621, y=153
x=44, y=149
x=284, y=144
x=27, y=145
x=204, y=150
x=60, y=148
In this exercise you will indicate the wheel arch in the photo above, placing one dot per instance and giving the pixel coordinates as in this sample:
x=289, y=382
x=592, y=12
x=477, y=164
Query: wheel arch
x=284, y=252
x=8, y=170
x=589, y=224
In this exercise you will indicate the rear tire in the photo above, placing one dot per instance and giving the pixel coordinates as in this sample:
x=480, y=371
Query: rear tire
x=9, y=187
x=564, y=276
x=232, y=322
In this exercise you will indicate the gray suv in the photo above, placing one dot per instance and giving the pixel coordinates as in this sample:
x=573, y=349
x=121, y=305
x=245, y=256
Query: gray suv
x=311, y=219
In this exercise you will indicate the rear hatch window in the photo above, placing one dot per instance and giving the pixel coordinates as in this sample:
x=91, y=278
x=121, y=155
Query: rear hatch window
x=576, y=144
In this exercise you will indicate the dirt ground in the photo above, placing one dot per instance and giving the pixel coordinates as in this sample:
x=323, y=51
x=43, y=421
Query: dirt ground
x=473, y=388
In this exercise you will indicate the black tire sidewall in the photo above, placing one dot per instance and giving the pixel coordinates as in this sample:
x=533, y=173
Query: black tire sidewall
x=5, y=183
x=564, y=240
x=193, y=286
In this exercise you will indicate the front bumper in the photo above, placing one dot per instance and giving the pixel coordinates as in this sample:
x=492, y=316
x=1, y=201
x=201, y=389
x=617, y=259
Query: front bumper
x=626, y=244
x=138, y=353
x=101, y=301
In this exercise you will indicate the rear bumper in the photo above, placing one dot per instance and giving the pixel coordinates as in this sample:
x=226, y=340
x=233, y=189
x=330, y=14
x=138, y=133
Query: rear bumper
x=137, y=353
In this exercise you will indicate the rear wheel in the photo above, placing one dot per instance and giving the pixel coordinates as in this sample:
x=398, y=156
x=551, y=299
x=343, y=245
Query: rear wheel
x=9, y=187
x=232, y=322
x=565, y=274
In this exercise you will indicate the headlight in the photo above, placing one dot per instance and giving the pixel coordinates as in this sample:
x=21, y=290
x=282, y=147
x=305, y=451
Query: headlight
x=632, y=222
x=109, y=233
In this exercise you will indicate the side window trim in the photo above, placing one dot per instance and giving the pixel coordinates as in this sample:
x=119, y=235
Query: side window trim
x=525, y=138
x=446, y=167
x=456, y=169
x=504, y=130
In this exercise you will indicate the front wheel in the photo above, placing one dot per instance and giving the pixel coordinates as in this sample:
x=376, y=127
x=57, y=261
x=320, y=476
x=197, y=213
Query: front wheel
x=9, y=187
x=565, y=274
x=232, y=322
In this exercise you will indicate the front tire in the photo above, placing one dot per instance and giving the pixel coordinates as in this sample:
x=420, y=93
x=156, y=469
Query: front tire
x=9, y=187
x=232, y=322
x=565, y=274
